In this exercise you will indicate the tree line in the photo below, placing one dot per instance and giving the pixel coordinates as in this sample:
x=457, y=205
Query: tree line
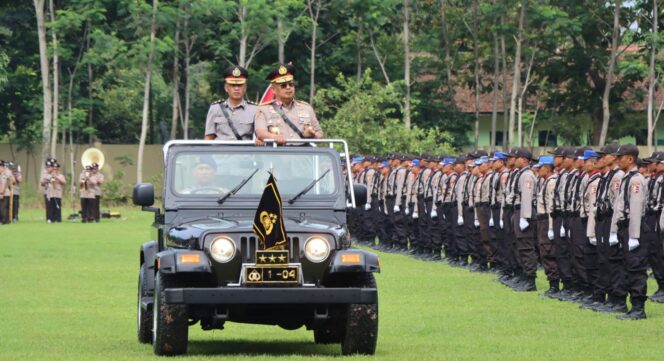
x=385, y=74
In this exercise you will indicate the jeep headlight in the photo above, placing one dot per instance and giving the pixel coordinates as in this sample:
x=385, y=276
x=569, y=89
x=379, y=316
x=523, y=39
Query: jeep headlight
x=316, y=249
x=222, y=249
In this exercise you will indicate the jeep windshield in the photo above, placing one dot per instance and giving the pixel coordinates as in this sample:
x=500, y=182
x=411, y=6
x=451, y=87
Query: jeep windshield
x=215, y=173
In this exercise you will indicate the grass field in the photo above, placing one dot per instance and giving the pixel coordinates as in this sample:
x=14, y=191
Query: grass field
x=68, y=292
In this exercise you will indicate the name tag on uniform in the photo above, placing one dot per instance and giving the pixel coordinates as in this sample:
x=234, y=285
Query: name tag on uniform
x=304, y=117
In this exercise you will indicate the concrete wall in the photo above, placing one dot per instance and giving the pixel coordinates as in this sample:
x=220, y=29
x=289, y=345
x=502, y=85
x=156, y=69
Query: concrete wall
x=113, y=154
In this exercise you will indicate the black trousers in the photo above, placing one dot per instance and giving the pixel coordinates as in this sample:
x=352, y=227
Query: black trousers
x=16, y=207
x=655, y=251
x=382, y=224
x=436, y=227
x=486, y=250
x=422, y=222
x=451, y=229
x=634, y=271
x=468, y=244
x=505, y=244
x=496, y=233
x=54, y=210
x=96, y=209
x=525, y=245
x=562, y=252
x=87, y=210
x=547, y=249
x=4, y=210
x=579, y=240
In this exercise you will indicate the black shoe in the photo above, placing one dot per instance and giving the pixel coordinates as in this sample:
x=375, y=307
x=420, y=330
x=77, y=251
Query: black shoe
x=564, y=295
x=633, y=314
x=658, y=296
x=527, y=285
x=554, y=289
x=474, y=267
x=611, y=307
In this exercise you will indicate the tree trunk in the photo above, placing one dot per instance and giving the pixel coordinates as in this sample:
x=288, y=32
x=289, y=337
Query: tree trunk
x=358, y=47
x=609, y=74
x=381, y=61
x=281, y=41
x=189, y=43
x=446, y=48
x=313, y=14
x=505, y=89
x=406, y=61
x=176, y=77
x=652, y=78
x=476, y=55
x=46, y=87
x=242, y=16
x=494, y=102
x=146, y=94
x=56, y=81
x=90, y=107
x=516, y=78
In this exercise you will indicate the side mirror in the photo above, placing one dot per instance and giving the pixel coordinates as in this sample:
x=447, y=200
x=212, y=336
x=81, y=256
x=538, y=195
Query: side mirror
x=360, y=191
x=143, y=194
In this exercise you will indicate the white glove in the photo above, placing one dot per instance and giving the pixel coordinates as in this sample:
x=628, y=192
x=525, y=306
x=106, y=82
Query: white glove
x=460, y=221
x=407, y=211
x=593, y=241
x=549, y=234
x=476, y=223
x=387, y=214
x=523, y=223
x=367, y=207
x=632, y=244
x=501, y=224
x=434, y=214
x=416, y=215
x=613, y=239
x=491, y=222
x=563, y=234
x=397, y=209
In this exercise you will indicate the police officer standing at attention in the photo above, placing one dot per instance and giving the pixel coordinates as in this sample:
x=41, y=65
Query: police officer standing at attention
x=627, y=228
x=523, y=220
x=233, y=118
x=4, y=201
x=285, y=117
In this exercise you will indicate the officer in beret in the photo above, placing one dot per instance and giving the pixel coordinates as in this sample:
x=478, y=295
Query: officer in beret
x=285, y=117
x=233, y=118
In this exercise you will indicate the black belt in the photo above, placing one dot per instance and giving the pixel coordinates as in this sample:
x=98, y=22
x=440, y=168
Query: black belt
x=541, y=217
x=483, y=204
x=508, y=208
x=517, y=207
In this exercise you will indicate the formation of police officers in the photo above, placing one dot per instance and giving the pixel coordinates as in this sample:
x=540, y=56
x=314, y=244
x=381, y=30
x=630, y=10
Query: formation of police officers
x=591, y=219
x=10, y=189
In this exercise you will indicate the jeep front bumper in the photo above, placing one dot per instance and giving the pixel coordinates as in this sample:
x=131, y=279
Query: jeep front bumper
x=271, y=295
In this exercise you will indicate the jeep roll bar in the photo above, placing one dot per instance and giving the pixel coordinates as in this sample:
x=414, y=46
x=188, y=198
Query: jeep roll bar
x=273, y=143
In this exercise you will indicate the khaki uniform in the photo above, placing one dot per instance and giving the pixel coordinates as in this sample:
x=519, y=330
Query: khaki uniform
x=301, y=114
x=54, y=184
x=242, y=118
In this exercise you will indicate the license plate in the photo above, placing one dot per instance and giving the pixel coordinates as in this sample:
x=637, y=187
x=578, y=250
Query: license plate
x=261, y=275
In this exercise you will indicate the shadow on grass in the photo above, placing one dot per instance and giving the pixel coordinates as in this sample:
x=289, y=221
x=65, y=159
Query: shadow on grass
x=294, y=348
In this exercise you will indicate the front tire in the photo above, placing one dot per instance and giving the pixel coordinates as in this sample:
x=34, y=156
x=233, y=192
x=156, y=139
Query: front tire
x=144, y=317
x=170, y=321
x=361, y=326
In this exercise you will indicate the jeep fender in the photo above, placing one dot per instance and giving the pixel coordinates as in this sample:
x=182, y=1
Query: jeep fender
x=183, y=261
x=148, y=251
x=355, y=260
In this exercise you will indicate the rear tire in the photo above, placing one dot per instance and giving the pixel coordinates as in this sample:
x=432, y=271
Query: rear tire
x=144, y=317
x=361, y=326
x=170, y=321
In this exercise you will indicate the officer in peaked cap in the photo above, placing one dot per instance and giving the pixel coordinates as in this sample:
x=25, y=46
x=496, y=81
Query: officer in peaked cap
x=628, y=230
x=233, y=118
x=286, y=117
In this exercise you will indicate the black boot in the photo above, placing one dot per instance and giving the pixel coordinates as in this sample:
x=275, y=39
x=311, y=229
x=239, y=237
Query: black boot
x=554, y=288
x=613, y=305
x=636, y=313
x=658, y=296
x=527, y=285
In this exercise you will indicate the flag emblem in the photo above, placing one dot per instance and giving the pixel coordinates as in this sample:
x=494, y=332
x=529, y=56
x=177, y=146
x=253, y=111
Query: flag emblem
x=269, y=222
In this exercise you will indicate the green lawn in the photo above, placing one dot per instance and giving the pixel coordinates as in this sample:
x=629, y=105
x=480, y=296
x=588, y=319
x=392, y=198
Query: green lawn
x=67, y=291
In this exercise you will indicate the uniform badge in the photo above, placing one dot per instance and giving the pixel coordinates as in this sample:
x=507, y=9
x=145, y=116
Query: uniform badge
x=236, y=72
x=273, y=129
x=529, y=184
x=282, y=70
x=593, y=189
x=635, y=188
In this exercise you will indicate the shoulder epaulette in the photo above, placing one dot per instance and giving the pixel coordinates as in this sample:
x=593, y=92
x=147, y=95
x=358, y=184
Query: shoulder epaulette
x=217, y=101
x=301, y=101
x=267, y=102
x=250, y=102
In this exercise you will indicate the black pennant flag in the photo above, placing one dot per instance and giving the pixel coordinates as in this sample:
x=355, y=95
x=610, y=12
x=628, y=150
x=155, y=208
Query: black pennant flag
x=269, y=220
